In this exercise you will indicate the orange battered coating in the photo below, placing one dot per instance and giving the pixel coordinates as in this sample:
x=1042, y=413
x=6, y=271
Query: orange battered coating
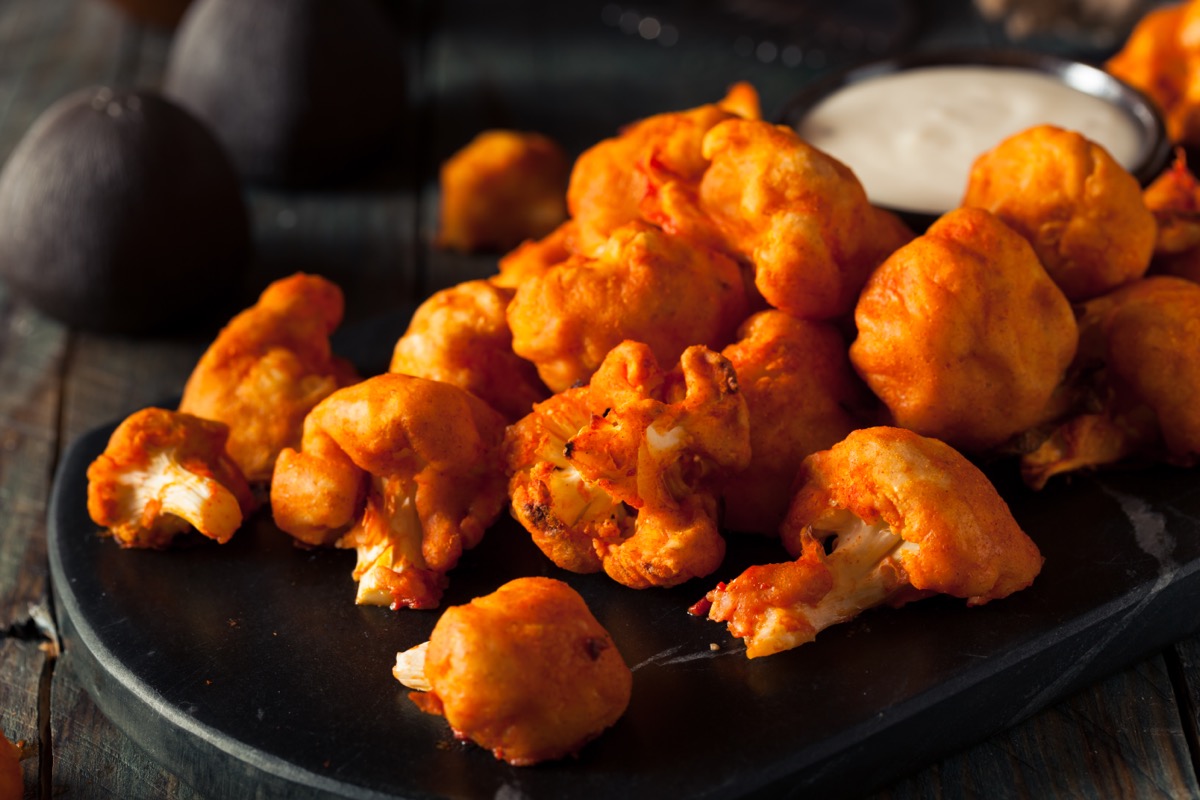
x=535, y=256
x=162, y=473
x=500, y=189
x=797, y=216
x=801, y=394
x=1081, y=210
x=882, y=518
x=460, y=335
x=269, y=366
x=1140, y=367
x=526, y=672
x=1174, y=199
x=644, y=285
x=609, y=180
x=1153, y=61
x=622, y=474
x=962, y=334
x=407, y=471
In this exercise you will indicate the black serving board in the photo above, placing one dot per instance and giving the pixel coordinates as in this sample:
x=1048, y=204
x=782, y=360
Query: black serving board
x=247, y=669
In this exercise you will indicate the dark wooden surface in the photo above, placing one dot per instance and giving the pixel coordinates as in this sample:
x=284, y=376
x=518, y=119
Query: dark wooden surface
x=564, y=69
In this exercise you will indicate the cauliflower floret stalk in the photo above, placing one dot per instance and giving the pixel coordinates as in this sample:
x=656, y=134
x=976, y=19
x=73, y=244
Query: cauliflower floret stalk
x=620, y=475
x=884, y=517
x=163, y=473
x=406, y=471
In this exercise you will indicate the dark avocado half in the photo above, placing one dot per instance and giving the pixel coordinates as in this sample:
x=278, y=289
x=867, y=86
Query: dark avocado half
x=121, y=213
x=301, y=92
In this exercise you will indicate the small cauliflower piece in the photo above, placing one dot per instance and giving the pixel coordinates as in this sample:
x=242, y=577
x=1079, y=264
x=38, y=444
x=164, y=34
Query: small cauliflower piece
x=643, y=285
x=1174, y=199
x=1082, y=212
x=460, y=335
x=268, y=367
x=406, y=471
x=501, y=188
x=622, y=474
x=165, y=472
x=526, y=672
x=883, y=517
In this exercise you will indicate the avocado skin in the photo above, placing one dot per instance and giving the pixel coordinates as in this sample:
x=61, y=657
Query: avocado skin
x=300, y=92
x=121, y=213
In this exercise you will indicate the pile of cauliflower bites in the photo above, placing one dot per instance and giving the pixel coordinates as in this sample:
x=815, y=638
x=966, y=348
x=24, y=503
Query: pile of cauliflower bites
x=716, y=333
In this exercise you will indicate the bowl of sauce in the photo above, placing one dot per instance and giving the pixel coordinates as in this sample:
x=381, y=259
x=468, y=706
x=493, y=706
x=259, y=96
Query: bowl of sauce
x=911, y=127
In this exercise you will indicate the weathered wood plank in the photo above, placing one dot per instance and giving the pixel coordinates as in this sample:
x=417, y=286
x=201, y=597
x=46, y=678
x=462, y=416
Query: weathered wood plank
x=1119, y=738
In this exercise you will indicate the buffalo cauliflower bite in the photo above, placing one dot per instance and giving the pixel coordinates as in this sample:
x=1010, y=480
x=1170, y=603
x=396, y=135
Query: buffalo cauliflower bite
x=798, y=217
x=1174, y=200
x=643, y=285
x=267, y=368
x=802, y=397
x=406, y=471
x=883, y=517
x=501, y=188
x=622, y=474
x=1137, y=378
x=1152, y=59
x=609, y=180
x=962, y=334
x=163, y=473
x=1081, y=210
x=535, y=256
x=526, y=672
x=460, y=335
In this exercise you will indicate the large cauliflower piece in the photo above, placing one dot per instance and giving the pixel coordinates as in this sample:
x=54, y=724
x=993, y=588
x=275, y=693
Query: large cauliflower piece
x=1137, y=378
x=622, y=474
x=883, y=517
x=962, y=333
x=268, y=367
x=408, y=472
x=1081, y=210
x=162, y=473
x=802, y=396
x=643, y=285
x=460, y=335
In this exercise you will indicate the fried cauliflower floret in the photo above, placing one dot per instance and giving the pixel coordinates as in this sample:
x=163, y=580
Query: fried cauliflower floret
x=165, y=472
x=1174, y=200
x=526, y=672
x=962, y=334
x=502, y=188
x=882, y=518
x=796, y=215
x=802, y=396
x=1152, y=60
x=267, y=368
x=406, y=471
x=622, y=474
x=460, y=335
x=644, y=285
x=1081, y=210
x=1139, y=367
x=609, y=180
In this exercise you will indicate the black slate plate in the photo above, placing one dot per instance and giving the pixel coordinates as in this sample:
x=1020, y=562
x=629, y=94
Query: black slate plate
x=247, y=668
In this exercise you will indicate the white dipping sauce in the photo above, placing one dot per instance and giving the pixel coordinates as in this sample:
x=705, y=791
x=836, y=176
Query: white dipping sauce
x=912, y=136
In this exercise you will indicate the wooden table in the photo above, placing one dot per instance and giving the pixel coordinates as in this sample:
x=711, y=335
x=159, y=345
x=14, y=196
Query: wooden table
x=569, y=72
